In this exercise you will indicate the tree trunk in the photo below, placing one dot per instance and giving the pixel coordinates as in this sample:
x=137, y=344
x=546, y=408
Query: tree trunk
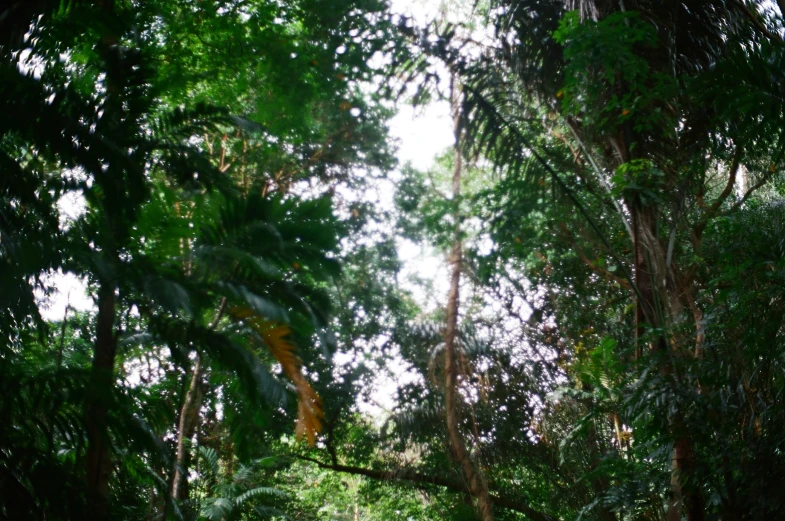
x=684, y=464
x=101, y=384
x=650, y=275
x=474, y=477
x=189, y=416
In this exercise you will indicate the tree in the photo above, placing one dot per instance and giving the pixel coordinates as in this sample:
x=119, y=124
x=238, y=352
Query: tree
x=613, y=109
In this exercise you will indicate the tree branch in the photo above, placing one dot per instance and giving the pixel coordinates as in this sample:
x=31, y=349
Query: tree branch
x=734, y=170
x=766, y=178
x=712, y=211
x=571, y=124
x=413, y=476
x=597, y=269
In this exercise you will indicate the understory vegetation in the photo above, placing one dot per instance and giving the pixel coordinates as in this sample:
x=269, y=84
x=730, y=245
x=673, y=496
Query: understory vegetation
x=602, y=339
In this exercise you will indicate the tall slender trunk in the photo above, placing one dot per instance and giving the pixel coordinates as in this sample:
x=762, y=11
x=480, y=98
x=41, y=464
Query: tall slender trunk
x=192, y=404
x=101, y=383
x=62, y=333
x=189, y=416
x=189, y=412
x=474, y=476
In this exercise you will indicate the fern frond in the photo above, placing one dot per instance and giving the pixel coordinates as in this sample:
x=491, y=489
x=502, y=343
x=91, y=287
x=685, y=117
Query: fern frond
x=259, y=491
x=243, y=474
x=413, y=421
x=217, y=508
x=183, y=123
x=210, y=458
x=267, y=512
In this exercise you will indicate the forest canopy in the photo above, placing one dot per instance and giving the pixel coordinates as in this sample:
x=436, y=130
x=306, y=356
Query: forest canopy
x=596, y=332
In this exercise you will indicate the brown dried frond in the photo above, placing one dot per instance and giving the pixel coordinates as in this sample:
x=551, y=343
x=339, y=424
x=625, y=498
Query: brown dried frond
x=309, y=404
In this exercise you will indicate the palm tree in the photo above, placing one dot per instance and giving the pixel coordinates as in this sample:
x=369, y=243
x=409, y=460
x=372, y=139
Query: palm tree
x=237, y=275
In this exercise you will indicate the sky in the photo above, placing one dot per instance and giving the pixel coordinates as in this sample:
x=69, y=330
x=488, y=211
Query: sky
x=420, y=134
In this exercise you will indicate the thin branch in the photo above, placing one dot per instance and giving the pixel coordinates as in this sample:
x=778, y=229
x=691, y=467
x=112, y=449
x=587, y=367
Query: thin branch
x=766, y=178
x=219, y=313
x=599, y=270
x=603, y=305
x=734, y=169
x=601, y=177
x=712, y=211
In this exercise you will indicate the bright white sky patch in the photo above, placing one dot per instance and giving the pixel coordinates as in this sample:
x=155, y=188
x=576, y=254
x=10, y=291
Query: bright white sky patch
x=70, y=290
x=422, y=133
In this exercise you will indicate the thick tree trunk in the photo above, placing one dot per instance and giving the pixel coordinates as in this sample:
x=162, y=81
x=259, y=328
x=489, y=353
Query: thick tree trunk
x=657, y=304
x=684, y=464
x=474, y=477
x=101, y=384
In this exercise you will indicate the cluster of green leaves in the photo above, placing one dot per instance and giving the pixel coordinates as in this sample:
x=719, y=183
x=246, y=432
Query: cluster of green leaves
x=607, y=80
x=625, y=133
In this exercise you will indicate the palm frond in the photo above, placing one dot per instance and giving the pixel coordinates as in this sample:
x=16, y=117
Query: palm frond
x=413, y=421
x=256, y=492
x=210, y=457
x=224, y=350
x=217, y=508
x=309, y=406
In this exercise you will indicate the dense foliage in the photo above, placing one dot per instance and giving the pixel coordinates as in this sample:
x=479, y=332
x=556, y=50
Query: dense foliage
x=218, y=174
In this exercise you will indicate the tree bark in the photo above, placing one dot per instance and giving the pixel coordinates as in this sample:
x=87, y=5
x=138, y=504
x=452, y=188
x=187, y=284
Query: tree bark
x=189, y=416
x=657, y=304
x=474, y=477
x=101, y=384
